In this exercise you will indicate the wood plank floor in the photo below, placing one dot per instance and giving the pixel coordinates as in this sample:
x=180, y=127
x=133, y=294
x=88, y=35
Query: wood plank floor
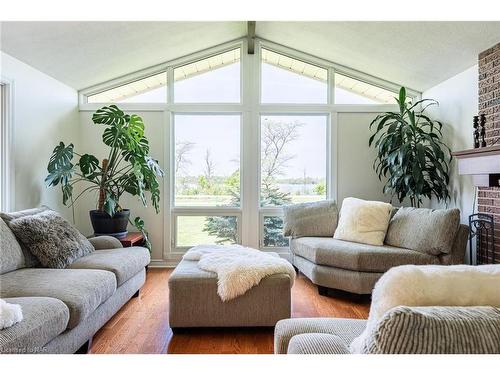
x=141, y=326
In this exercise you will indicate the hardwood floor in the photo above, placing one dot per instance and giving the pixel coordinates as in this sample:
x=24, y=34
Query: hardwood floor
x=141, y=326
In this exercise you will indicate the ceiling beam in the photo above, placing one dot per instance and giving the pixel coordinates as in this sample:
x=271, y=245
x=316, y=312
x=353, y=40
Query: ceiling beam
x=251, y=37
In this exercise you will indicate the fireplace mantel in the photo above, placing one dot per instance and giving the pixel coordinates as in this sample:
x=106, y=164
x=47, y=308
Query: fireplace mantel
x=482, y=163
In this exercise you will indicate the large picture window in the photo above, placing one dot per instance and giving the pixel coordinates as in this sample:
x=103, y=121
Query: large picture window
x=207, y=160
x=293, y=159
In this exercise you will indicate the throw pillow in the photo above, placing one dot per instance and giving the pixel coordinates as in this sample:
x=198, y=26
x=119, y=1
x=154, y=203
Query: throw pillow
x=363, y=221
x=424, y=230
x=11, y=254
x=317, y=219
x=53, y=240
x=412, y=285
x=29, y=259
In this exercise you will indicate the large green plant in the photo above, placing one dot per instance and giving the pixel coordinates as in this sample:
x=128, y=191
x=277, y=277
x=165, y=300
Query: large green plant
x=410, y=152
x=128, y=167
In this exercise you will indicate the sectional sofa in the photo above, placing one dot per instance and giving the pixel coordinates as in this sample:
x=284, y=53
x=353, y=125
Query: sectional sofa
x=355, y=267
x=64, y=308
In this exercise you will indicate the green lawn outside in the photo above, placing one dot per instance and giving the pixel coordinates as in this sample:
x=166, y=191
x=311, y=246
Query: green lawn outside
x=190, y=231
x=190, y=228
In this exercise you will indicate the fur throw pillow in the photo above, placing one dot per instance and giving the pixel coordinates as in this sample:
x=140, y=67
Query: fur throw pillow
x=53, y=240
x=363, y=221
x=412, y=285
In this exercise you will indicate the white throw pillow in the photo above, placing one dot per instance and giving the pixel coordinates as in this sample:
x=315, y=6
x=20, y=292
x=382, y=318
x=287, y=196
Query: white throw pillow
x=411, y=285
x=363, y=221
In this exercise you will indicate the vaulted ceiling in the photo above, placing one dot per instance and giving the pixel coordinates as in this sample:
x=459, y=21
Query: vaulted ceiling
x=416, y=54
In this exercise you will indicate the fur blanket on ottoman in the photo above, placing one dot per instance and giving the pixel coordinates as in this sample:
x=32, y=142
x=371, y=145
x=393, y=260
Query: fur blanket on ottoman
x=238, y=268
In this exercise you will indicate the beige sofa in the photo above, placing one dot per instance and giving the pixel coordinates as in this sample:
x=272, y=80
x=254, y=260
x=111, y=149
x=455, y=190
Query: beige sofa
x=64, y=308
x=350, y=266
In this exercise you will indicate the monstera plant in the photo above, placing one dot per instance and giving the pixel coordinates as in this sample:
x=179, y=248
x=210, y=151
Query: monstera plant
x=128, y=168
x=410, y=152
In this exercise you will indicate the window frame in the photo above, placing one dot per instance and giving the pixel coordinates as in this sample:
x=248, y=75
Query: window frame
x=331, y=191
x=7, y=190
x=250, y=215
x=176, y=211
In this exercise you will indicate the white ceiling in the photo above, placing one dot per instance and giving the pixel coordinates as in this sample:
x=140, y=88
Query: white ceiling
x=82, y=54
x=416, y=54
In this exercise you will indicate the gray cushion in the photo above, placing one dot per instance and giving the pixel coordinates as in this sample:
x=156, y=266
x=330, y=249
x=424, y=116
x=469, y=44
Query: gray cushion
x=53, y=240
x=29, y=259
x=424, y=230
x=11, y=254
x=436, y=330
x=356, y=256
x=317, y=343
x=345, y=329
x=317, y=219
x=43, y=319
x=123, y=262
x=81, y=290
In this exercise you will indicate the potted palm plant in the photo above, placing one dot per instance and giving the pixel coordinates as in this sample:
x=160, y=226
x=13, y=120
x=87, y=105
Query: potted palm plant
x=410, y=152
x=128, y=168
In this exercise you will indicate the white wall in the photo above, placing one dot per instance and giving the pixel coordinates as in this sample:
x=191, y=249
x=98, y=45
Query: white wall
x=355, y=174
x=45, y=112
x=458, y=103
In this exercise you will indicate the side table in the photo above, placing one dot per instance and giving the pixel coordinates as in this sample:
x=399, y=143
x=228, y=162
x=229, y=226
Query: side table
x=133, y=239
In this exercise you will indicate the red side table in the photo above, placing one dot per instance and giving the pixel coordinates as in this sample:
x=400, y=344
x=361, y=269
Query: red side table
x=132, y=239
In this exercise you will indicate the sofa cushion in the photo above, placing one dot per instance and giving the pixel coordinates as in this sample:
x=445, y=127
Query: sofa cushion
x=355, y=256
x=123, y=262
x=81, y=290
x=11, y=254
x=53, y=240
x=363, y=221
x=29, y=259
x=44, y=318
x=423, y=229
x=316, y=219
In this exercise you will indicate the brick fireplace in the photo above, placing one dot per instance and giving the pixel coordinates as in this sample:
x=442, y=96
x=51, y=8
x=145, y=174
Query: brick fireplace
x=489, y=104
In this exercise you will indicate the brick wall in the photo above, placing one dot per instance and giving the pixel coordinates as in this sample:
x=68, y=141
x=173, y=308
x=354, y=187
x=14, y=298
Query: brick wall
x=489, y=104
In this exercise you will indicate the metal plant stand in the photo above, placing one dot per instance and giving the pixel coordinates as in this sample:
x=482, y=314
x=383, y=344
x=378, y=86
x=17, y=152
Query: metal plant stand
x=482, y=228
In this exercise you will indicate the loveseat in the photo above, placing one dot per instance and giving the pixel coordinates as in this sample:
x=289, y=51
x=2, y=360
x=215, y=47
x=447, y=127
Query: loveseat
x=63, y=308
x=356, y=267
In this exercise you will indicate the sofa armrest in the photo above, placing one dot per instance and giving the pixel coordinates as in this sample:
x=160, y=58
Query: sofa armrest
x=317, y=343
x=345, y=329
x=105, y=242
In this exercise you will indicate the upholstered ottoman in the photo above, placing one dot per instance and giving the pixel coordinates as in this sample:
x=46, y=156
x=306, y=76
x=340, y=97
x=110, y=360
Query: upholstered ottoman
x=194, y=301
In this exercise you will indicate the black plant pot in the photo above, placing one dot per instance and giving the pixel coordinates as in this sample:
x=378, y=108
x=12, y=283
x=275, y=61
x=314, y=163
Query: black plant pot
x=104, y=224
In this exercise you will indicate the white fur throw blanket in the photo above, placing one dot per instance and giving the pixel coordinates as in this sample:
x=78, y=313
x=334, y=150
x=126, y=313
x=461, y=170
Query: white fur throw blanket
x=238, y=268
x=412, y=285
x=10, y=314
